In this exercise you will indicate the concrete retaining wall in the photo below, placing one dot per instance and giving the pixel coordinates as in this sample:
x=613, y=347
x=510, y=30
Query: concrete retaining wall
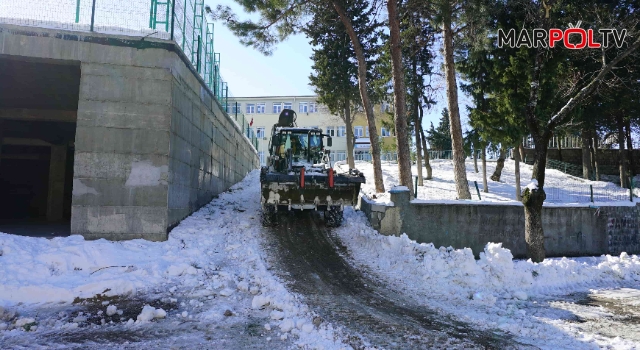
x=152, y=145
x=569, y=231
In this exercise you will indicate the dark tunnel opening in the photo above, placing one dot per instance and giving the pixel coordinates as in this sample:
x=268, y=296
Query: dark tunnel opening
x=38, y=113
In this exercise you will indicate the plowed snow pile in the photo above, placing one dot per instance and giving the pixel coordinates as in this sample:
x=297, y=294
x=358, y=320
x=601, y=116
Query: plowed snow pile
x=212, y=262
x=494, y=291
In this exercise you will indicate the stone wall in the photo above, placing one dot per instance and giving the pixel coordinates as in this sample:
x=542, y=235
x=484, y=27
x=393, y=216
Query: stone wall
x=569, y=231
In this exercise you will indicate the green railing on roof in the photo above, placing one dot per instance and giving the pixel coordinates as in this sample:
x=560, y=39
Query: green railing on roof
x=183, y=21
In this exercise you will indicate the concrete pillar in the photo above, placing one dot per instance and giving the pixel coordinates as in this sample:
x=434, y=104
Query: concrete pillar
x=55, y=199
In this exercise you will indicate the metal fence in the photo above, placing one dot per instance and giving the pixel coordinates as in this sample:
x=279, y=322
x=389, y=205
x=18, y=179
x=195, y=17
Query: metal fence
x=559, y=142
x=183, y=21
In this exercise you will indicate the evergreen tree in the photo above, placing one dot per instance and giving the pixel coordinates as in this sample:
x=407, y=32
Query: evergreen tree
x=559, y=81
x=335, y=70
x=440, y=138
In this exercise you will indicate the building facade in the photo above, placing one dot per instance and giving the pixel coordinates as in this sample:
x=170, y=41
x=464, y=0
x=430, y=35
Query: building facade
x=264, y=112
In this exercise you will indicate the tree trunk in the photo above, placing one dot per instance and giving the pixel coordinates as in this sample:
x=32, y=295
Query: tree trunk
x=419, y=157
x=559, y=150
x=350, y=138
x=417, y=127
x=622, y=154
x=399, y=97
x=423, y=139
x=483, y=156
x=459, y=167
x=587, y=170
x=533, y=200
x=499, y=166
x=594, y=154
x=632, y=168
x=475, y=159
x=516, y=157
x=521, y=149
x=364, y=95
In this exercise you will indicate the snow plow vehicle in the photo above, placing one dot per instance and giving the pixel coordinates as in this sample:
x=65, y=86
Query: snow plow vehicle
x=299, y=176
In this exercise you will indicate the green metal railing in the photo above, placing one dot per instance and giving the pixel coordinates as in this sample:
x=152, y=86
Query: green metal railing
x=565, y=167
x=183, y=21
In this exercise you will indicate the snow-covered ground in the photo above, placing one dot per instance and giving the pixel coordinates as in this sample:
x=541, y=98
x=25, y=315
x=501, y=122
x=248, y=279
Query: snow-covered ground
x=561, y=189
x=519, y=297
x=214, y=272
x=212, y=264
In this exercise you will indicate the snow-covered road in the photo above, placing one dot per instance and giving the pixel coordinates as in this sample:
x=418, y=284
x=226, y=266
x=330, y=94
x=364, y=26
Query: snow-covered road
x=312, y=259
x=223, y=281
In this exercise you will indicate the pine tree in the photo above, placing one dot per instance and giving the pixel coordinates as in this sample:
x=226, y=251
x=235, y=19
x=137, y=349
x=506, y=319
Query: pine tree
x=335, y=71
x=551, y=105
x=440, y=138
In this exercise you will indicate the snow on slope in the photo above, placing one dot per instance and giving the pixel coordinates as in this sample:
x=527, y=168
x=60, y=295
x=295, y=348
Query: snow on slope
x=214, y=256
x=559, y=187
x=494, y=291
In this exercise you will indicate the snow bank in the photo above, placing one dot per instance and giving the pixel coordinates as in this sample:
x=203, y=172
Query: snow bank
x=216, y=252
x=455, y=273
x=490, y=292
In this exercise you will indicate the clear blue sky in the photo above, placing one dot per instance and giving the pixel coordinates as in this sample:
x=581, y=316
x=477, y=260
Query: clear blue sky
x=286, y=72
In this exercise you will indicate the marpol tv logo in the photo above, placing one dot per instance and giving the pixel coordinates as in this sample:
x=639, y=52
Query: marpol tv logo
x=580, y=38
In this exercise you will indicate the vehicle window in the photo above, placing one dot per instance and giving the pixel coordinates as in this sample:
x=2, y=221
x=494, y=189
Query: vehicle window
x=314, y=141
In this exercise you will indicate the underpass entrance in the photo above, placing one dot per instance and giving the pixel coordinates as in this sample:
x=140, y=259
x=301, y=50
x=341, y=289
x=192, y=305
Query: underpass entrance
x=38, y=113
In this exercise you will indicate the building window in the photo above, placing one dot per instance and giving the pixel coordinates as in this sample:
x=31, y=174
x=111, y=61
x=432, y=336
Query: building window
x=342, y=131
x=277, y=107
x=261, y=155
x=341, y=155
x=260, y=107
x=287, y=105
x=332, y=156
x=313, y=107
x=260, y=132
x=384, y=132
x=357, y=131
x=235, y=108
x=331, y=131
x=251, y=108
x=303, y=107
x=366, y=132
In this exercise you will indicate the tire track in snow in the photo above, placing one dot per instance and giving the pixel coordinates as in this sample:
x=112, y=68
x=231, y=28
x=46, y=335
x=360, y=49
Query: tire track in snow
x=310, y=258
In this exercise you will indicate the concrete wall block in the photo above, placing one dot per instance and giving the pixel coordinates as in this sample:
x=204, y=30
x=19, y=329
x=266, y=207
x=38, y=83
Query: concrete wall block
x=109, y=55
x=154, y=58
x=131, y=72
x=120, y=222
x=107, y=192
x=123, y=115
x=37, y=46
x=119, y=166
x=124, y=89
x=125, y=141
x=179, y=197
x=176, y=215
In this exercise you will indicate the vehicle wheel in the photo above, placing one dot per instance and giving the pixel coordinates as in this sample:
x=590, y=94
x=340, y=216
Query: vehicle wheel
x=269, y=216
x=333, y=217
